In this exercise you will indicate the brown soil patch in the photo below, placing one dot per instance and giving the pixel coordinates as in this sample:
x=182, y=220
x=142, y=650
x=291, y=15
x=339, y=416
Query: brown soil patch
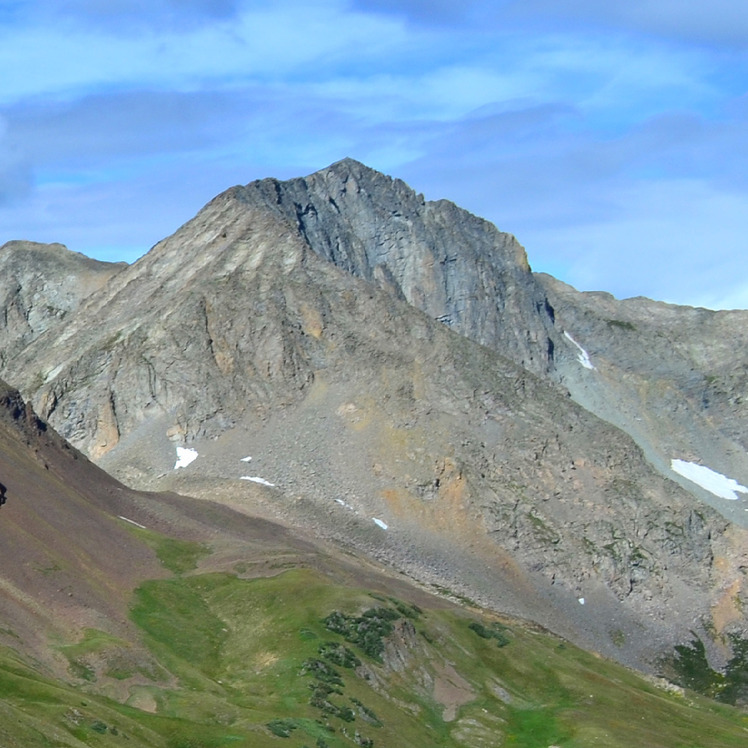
x=451, y=690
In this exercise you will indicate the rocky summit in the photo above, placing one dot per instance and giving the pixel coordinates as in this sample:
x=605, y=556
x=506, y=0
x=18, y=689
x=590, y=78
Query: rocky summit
x=387, y=373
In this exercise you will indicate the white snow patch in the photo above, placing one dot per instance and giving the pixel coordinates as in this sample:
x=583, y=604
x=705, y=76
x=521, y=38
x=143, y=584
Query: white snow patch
x=185, y=456
x=257, y=479
x=581, y=600
x=714, y=482
x=246, y=459
x=379, y=522
x=583, y=357
x=132, y=522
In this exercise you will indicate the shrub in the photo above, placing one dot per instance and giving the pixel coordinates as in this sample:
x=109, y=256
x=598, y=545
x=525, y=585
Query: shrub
x=282, y=728
x=338, y=655
x=366, y=631
x=495, y=631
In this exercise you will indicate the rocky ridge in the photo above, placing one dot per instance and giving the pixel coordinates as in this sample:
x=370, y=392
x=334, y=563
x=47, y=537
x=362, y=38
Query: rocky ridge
x=40, y=284
x=674, y=378
x=457, y=268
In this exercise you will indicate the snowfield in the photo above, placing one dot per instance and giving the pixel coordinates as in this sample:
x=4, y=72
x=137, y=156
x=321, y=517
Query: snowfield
x=710, y=480
x=257, y=479
x=132, y=522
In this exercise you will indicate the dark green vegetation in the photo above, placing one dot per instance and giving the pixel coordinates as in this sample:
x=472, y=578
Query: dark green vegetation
x=621, y=324
x=368, y=631
x=494, y=631
x=690, y=668
x=298, y=660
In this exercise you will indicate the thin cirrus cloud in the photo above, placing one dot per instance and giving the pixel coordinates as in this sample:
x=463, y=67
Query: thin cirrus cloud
x=608, y=138
x=128, y=15
x=646, y=207
x=718, y=22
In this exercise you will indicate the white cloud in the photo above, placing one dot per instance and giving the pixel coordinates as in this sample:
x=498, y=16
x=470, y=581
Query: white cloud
x=582, y=128
x=62, y=58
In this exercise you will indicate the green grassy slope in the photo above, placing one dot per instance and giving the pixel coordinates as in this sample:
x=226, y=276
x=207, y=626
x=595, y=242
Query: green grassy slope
x=245, y=654
x=298, y=660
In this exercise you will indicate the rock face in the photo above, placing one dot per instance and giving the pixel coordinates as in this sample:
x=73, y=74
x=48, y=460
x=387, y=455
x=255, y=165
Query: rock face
x=674, y=378
x=457, y=268
x=39, y=285
x=392, y=368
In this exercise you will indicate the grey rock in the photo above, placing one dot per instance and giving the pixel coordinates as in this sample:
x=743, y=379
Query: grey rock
x=40, y=284
x=454, y=266
x=674, y=378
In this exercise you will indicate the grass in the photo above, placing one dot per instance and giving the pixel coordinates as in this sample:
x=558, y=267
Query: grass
x=176, y=555
x=249, y=640
x=254, y=663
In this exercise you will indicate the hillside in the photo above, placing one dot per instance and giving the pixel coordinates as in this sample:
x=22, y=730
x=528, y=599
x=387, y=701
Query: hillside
x=40, y=284
x=182, y=623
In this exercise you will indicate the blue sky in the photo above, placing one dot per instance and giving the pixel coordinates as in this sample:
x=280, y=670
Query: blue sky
x=610, y=138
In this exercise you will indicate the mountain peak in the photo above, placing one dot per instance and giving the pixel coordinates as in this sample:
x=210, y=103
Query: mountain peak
x=39, y=285
x=349, y=164
x=437, y=256
x=372, y=180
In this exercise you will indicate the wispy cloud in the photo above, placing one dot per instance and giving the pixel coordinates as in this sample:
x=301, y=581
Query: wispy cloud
x=609, y=139
x=15, y=176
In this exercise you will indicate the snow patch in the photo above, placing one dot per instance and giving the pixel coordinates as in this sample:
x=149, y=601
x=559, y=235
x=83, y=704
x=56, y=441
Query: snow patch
x=246, y=459
x=257, y=479
x=710, y=480
x=185, y=456
x=132, y=522
x=379, y=522
x=583, y=357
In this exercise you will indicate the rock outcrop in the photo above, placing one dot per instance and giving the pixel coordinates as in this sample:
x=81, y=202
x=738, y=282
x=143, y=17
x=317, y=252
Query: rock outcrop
x=457, y=268
x=39, y=285
x=674, y=378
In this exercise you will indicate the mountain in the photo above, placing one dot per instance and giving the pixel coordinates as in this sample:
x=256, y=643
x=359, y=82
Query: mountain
x=454, y=266
x=156, y=620
x=406, y=387
x=39, y=285
x=673, y=378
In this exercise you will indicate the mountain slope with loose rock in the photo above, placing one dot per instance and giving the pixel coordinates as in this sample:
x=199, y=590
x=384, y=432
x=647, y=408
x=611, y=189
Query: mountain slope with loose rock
x=40, y=284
